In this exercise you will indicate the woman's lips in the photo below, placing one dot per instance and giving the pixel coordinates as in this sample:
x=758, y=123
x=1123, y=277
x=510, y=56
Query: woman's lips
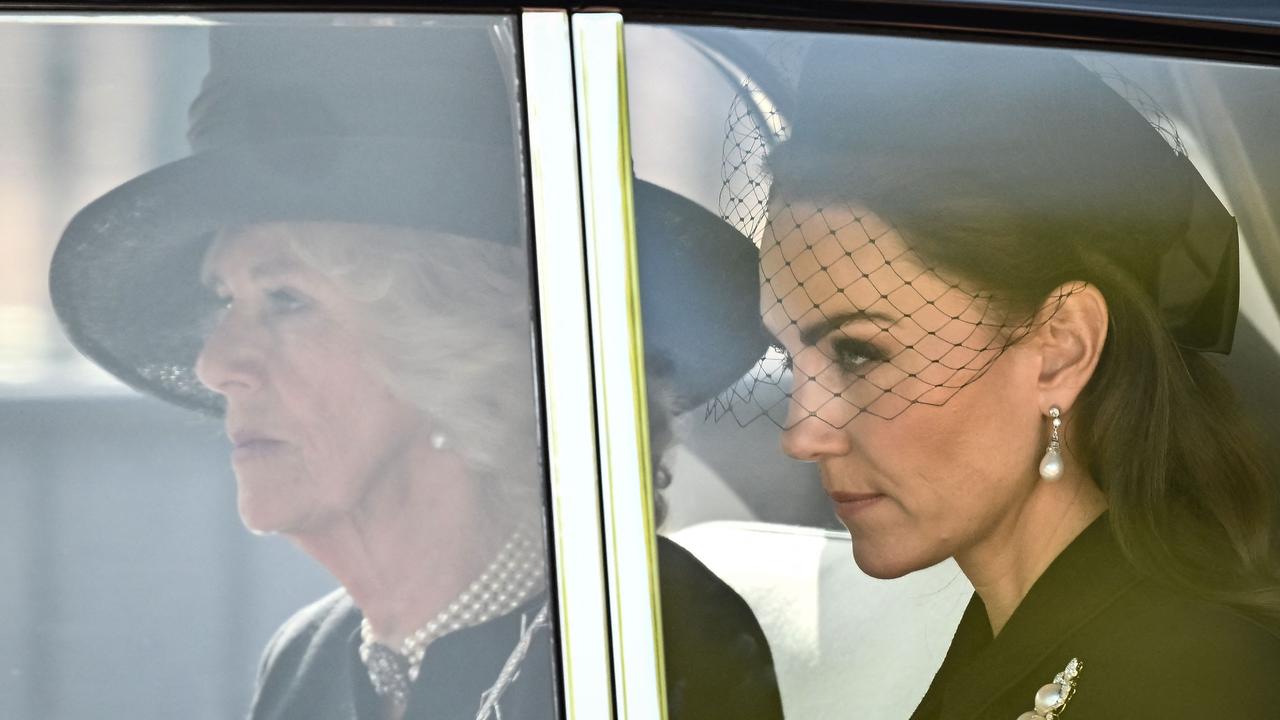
x=848, y=503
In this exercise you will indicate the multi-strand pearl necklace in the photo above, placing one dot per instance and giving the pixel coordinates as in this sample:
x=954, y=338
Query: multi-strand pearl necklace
x=515, y=574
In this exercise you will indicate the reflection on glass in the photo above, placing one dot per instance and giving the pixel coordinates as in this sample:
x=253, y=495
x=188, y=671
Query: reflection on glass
x=337, y=270
x=993, y=277
x=717, y=659
x=82, y=110
x=110, y=503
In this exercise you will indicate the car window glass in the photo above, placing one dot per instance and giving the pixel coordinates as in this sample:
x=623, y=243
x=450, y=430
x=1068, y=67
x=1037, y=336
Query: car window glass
x=284, y=381
x=755, y=127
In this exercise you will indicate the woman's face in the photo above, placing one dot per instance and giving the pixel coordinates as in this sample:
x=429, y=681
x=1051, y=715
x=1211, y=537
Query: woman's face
x=924, y=422
x=316, y=432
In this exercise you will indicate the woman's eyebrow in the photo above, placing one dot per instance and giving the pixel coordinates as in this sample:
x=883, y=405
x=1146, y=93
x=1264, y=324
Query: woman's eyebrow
x=815, y=332
x=265, y=269
x=273, y=267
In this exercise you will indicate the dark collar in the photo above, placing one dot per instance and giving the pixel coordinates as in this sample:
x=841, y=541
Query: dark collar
x=1080, y=583
x=459, y=667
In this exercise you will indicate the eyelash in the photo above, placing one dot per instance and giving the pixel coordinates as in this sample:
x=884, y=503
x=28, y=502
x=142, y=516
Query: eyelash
x=283, y=301
x=843, y=349
x=279, y=301
x=846, y=348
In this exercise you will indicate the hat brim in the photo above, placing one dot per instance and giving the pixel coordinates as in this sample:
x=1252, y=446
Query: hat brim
x=124, y=278
x=700, y=289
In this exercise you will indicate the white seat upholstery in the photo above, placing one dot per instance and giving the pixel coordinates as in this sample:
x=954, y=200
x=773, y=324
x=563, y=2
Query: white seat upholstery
x=845, y=645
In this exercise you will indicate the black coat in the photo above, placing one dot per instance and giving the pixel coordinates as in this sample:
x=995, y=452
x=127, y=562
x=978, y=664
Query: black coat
x=1147, y=651
x=718, y=662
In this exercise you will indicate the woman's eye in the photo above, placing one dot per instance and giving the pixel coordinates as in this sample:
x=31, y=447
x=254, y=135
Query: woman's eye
x=283, y=301
x=853, y=355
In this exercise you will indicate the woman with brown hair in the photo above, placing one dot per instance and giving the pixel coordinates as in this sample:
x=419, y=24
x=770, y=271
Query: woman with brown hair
x=993, y=281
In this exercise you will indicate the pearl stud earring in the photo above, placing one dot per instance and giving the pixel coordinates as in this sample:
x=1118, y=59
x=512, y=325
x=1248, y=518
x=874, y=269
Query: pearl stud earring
x=1051, y=466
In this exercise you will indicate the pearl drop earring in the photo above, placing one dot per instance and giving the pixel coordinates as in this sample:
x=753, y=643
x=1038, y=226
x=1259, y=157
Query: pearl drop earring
x=1051, y=466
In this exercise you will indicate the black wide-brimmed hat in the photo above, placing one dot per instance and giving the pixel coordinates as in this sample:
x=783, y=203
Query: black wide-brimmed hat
x=403, y=126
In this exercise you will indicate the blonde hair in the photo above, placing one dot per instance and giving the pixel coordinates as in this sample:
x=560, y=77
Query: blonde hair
x=449, y=322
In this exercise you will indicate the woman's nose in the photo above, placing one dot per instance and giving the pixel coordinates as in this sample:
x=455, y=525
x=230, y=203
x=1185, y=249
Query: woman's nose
x=231, y=360
x=810, y=435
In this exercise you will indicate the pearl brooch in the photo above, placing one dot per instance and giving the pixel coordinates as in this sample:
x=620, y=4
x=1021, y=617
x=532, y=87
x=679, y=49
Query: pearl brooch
x=515, y=574
x=1052, y=698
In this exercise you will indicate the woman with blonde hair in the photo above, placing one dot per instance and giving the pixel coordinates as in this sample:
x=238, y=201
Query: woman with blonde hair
x=340, y=272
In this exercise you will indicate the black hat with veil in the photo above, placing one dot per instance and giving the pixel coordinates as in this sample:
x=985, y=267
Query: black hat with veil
x=873, y=138
x=410, y=126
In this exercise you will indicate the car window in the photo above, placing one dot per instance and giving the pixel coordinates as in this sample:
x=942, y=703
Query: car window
x=831, y=174
x=267, y=400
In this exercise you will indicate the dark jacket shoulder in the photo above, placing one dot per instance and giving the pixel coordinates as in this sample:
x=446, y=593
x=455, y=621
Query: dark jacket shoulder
x=718, y=663
x=1156, y=652
x=1145, y=650
x=292, y=638
x=303, y=664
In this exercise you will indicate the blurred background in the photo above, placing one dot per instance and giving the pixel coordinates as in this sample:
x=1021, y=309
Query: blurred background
x=128, y=586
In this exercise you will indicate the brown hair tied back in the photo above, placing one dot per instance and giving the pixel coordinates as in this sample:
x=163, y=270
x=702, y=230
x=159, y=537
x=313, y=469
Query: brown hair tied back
x=1020, y=171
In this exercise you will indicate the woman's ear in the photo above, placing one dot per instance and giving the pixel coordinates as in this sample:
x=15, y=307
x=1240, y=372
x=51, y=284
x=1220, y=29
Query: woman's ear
x=1072, y=330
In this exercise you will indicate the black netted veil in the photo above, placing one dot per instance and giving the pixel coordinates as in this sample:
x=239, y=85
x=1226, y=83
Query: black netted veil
x=840, y=175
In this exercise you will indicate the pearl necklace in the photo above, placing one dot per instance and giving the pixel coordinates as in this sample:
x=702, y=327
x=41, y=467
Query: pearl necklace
x=515, y=574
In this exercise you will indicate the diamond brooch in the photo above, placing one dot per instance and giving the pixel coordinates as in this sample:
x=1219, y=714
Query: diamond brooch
x=1052, y=698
